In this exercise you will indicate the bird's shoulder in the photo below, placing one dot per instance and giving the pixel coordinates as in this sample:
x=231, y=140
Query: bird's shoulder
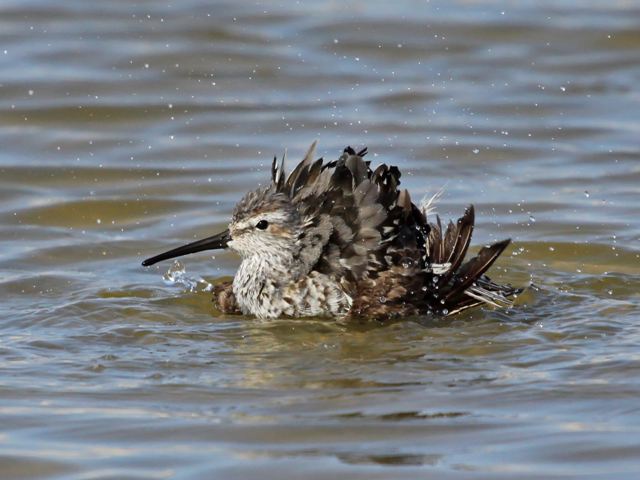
x=354, y=218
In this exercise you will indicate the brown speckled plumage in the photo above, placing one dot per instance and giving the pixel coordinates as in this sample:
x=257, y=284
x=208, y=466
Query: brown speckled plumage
x=224, y=299
x=340, y=239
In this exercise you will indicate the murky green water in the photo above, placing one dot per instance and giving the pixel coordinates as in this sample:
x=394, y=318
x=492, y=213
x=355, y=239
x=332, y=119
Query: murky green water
x=127, y=128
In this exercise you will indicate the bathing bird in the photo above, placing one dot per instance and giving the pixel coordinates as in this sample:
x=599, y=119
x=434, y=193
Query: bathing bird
x=340, y=239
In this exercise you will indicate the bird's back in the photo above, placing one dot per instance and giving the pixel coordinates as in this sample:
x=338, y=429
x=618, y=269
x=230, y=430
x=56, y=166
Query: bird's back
x=364, y=232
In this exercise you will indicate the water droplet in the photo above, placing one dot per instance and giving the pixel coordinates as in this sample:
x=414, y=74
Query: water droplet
x=382, y=299
x=476, y=151
x=406, y=262
x=177, y=275
x=587, y=194
x=610, y=292
x=445, y=311
x=532, y=219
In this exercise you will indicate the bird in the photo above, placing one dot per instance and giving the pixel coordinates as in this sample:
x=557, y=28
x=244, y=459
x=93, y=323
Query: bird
x=341, y=240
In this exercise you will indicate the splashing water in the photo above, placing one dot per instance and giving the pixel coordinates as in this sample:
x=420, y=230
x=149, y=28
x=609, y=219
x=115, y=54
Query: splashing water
x=177, y=275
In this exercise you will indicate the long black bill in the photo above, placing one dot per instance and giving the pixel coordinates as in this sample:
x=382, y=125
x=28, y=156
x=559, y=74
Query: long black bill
x=212, y=243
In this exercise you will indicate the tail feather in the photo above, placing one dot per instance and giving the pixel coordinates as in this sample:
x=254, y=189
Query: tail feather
x=493, y=293
x=460, y=242
x=463, y=285
x=450, y=236
x=472, y=271
x=488, y=296
x=464, y=304
x=435, y=242
x=475, y=268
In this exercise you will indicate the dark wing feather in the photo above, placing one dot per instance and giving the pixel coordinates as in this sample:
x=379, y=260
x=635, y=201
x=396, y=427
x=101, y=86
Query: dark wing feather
x=475, y=268
x=457, y=242
x=337, y=202
x=463, y=285
x=361, y=229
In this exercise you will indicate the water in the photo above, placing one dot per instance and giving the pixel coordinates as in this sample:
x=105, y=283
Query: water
x=129, y=128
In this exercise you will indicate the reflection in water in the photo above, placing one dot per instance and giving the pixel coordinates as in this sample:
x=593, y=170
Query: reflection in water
x=130, y=128
x=390, y=459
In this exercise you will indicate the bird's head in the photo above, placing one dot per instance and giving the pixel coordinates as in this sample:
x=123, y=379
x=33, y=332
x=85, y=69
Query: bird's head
x=264, y=223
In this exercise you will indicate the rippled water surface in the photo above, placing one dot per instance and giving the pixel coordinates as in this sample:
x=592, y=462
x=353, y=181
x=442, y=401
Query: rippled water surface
x=127, y=128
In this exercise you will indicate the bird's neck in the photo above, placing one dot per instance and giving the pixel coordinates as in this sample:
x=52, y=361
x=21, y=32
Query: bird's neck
x=259, y=280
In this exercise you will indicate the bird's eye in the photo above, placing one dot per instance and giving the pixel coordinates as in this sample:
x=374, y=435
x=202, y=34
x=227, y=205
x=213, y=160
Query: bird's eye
x=262, y=224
